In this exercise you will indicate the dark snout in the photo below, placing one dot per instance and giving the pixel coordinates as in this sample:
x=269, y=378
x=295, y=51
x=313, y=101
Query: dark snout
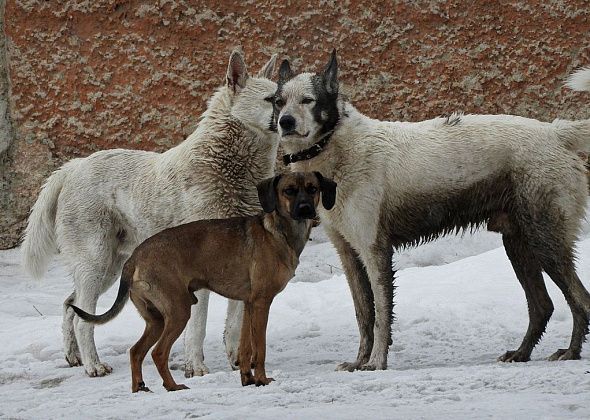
x=303, y=210
x=287, y=123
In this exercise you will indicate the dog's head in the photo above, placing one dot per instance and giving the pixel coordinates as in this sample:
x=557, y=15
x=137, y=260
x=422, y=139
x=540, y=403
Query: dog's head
x=252, y=97
x=306, y=104
x=297, y=194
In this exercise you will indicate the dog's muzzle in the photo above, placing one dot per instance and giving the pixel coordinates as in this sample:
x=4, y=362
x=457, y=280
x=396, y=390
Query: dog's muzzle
x=303, y=211
x=287, y=123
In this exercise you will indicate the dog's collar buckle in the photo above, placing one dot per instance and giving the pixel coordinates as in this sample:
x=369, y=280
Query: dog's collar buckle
x=308, y=153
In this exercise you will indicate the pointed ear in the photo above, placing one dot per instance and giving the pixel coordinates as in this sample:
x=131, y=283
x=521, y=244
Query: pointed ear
x=236, y=72
x=328, y=189
x=268, y=69
x=330, y=75
x=267, y=193
x=285, y=72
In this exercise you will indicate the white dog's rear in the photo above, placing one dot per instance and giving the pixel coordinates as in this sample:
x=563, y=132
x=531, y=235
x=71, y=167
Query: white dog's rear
x=94, y=211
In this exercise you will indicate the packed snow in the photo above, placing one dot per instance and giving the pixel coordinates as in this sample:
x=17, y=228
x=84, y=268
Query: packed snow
x=458, y=307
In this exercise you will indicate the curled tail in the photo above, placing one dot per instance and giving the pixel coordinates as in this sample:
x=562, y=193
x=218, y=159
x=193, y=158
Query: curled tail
x=39, y=240
x=575, y=135
x=579, y=80
x=120, y=301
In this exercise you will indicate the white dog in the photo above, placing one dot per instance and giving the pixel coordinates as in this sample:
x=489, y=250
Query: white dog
x=402, y=183
x=94, y=211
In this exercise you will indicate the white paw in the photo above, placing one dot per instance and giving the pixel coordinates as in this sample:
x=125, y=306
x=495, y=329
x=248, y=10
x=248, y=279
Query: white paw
x=98, y=369
x=195, y=369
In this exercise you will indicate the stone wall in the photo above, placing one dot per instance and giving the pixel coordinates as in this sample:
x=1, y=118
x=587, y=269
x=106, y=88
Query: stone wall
x=88, y=75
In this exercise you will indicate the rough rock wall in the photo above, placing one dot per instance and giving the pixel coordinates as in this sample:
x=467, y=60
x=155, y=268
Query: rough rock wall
x=89, y=75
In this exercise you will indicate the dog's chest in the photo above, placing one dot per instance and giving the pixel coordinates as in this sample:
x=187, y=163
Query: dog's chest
x=356, y=214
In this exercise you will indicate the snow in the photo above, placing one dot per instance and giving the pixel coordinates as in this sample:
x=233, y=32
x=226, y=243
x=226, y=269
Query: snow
x=458, y=307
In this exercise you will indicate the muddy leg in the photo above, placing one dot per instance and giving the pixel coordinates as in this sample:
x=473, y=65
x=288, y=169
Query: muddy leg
x=362, y=297
x=529, y=273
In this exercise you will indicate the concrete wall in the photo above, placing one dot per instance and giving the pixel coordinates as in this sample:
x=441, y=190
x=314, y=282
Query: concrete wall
x=90, y=75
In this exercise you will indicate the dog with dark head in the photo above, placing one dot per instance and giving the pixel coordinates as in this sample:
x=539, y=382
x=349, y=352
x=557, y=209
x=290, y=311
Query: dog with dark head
x=404, y=183
x=250, y=259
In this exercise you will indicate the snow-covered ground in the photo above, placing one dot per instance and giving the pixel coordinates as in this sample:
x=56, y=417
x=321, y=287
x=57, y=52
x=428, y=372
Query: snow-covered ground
x=459, y=306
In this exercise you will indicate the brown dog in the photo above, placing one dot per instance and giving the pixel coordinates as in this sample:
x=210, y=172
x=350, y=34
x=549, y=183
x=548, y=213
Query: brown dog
x=242, y=258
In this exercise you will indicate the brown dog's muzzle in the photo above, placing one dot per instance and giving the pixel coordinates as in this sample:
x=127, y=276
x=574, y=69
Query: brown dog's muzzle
x=303, y=210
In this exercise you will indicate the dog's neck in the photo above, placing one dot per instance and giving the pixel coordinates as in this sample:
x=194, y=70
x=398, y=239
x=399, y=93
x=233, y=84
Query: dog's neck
x=294, y=232
x=322, y=157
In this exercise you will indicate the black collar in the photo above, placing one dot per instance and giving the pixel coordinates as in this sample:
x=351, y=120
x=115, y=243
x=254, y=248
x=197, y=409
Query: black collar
x=310, y=152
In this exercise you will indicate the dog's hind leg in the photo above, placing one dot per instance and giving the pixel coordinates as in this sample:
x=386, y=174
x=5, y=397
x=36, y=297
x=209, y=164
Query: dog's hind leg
x=560, y=267
x=231, y=333
x=154, y=325
x=529, y=273
x=362, y=297
x=86, y=299
x=194, y=337
x=176, y=316
x=71, y=349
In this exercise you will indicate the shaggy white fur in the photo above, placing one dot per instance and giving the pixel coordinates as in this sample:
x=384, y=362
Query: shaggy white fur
x=94, y=211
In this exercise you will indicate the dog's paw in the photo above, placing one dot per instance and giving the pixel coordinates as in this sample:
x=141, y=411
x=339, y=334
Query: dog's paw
x=176, y=387
x=514, y=356
x=262, y=381
x=195, y=369
x=74, y=359
x=564, y=354
x=348, y=366
x=98, y=369
x=247, y=378
x=373, y=365
x=140, y=387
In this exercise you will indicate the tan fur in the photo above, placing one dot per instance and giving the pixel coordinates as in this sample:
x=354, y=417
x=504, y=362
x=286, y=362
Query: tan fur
x=250, y=259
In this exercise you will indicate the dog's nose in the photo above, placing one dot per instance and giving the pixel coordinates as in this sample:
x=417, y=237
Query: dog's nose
x=305, y=211
x=287, y=123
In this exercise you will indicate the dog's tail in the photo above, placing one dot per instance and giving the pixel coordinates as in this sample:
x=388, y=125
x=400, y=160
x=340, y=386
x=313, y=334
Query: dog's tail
x=39, y=242
x=120, y=301
x=579, y=80
x=576, y=134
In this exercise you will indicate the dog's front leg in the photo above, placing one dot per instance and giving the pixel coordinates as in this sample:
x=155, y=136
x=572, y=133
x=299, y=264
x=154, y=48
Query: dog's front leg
x=362, y=296
x=246, y=347
x=381, y=275
x=260, y=309
x=194, y=337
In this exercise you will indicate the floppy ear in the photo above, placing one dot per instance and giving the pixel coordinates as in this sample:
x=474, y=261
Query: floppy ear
x=285, y=72
x=328, y=189
x=267, y=193
x=236, y=72
x=268, y=69
x=330, y=75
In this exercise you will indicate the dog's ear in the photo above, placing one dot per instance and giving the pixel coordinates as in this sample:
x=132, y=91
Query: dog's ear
x=285, y=72
x=267, y=193
x=328, y=189
x=330, y=75
x=268, y=69
x=237, y=74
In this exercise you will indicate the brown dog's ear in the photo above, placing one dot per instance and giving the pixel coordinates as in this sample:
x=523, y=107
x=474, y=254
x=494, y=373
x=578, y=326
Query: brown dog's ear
x=328, y=189
x=267, y=193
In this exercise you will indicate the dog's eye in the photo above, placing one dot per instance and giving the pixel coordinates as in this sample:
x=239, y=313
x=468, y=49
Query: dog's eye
x=312, y=190
x=290, y=191
x=306, y=101
x=270, y=99
x=279, y=103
